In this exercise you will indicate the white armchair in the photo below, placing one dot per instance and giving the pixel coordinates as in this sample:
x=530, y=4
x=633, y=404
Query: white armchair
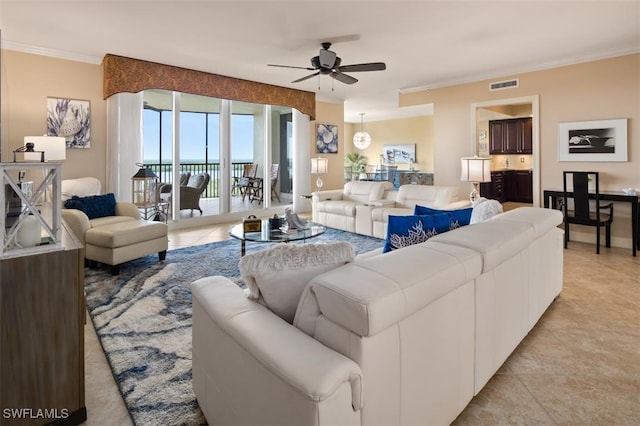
x=116, y=239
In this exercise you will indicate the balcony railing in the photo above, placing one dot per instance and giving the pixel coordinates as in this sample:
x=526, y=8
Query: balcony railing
x=165, y=174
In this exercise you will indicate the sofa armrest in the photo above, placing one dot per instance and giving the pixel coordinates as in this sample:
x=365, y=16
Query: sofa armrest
x=305, y=366
x=332, y=194
x=381, y=203
x=77, y=221
x=124, y=208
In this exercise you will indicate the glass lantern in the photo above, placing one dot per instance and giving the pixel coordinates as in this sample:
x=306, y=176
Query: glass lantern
x=143, y=187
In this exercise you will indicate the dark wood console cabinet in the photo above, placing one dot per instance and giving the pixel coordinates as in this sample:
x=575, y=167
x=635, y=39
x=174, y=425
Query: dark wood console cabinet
x=511, y=136
x=509, y=185
x=42, y=336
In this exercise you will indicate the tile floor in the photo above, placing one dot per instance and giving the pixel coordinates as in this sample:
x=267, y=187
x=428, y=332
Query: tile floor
x=579, y=366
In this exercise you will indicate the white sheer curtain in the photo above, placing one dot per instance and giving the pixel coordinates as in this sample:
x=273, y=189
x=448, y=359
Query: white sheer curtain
x=301, y=160
x=124, y=142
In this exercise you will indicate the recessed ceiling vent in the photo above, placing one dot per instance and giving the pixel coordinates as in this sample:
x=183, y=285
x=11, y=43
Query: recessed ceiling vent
x=501, y=85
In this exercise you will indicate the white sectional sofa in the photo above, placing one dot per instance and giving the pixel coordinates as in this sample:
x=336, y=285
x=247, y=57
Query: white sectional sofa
x=364, y=207
x=405, y=337
x=372, y=218
x=337, y=208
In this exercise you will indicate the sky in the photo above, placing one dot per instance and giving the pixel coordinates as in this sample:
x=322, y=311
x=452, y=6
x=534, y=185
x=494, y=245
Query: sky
x=193, y=132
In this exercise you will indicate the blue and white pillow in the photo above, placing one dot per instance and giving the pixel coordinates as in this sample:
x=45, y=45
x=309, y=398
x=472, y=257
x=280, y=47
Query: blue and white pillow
x=404, y=231
x=463, y=216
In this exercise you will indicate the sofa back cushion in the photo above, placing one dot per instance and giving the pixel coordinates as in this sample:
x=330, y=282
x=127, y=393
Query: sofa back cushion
x=504, y=235
x=363, y=191
x=375, y=292
x=278, y=275
x=428, y=195
x=81, y=187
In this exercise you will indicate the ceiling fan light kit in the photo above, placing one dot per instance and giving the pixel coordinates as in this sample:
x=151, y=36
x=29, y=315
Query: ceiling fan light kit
x=362, y=139
x=328, y=63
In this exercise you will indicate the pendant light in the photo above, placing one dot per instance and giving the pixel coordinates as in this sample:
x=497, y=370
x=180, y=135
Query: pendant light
x=362, y=139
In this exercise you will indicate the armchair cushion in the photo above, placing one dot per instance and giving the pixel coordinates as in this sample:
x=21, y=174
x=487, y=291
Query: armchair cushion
x=196, y=181
x=278, y=275
x=81, y=187
x=94, y=206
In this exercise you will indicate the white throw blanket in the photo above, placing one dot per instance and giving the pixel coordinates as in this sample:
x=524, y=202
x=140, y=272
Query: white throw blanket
x=279, y=274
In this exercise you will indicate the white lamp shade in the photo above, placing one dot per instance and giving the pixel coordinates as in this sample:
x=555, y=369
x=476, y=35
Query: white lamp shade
x=319, y=166
x=475, y=169
x=54, y=147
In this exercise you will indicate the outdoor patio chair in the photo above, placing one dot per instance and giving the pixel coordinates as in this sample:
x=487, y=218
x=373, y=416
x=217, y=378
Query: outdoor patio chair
x=243, y=184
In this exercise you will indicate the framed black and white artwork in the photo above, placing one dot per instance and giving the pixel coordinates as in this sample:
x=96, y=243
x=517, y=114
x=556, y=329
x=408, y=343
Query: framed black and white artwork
x=71, y=119
x=599, y=140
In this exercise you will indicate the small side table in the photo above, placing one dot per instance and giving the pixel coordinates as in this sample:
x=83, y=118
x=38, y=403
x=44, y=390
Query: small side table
x=158, y=212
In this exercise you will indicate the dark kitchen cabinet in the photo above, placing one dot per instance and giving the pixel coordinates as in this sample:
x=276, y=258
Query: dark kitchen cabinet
x=511, y=136
x=509, y=185
x=520, y=186
x=496, y=189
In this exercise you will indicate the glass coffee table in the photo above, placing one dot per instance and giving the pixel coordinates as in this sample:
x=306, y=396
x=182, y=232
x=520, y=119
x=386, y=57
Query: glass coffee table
x=268, y=235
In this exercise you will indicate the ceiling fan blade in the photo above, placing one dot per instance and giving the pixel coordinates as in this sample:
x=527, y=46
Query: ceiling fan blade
x=290, y=66
x=372, y=66
x=306, y=77
x=346, y=79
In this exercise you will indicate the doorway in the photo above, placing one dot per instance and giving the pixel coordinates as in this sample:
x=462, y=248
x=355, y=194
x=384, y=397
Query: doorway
x=478, y=137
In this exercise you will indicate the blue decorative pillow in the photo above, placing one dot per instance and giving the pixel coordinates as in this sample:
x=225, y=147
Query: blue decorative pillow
x=463, y=216
x=93, y=206
x=404, y=231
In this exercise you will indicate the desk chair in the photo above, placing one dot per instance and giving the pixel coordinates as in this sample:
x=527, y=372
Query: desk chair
x=582, y=214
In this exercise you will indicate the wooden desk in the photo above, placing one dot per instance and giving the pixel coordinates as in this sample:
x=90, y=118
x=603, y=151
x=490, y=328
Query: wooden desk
x=551, y=197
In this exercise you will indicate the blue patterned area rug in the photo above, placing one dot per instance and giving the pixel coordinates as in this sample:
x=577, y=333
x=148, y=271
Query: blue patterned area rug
x=143, y=320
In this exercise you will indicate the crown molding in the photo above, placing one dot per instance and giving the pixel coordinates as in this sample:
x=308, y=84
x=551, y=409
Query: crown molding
x=514, y=71
x=53, y=53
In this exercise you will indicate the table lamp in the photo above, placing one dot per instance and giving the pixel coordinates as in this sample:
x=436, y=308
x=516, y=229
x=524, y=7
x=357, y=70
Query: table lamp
x=54, y=147
x=475, y=170
x=319, y=166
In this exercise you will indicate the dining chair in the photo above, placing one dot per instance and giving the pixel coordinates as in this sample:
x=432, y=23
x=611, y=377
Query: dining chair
x=243, y=184
x=582, y=213
x=257, y=191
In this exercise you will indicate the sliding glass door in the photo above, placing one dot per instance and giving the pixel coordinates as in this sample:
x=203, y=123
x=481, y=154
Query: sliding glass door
x=219, y=138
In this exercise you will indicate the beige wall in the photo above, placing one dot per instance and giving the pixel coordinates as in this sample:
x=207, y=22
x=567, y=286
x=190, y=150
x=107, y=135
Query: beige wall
x=329, y=113
x=27, y=81
x=595, y=90
x=415, y=130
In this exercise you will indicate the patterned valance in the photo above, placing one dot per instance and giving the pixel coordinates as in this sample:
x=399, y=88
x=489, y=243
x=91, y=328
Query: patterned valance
x=123, y=74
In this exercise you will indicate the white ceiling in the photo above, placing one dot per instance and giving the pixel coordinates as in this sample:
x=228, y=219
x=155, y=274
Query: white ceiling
x=425, y=44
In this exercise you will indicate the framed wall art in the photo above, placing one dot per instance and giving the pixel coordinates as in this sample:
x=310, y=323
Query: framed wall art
x=71, y=119
x=599, y=140
x=399, y=154
x=326, y=139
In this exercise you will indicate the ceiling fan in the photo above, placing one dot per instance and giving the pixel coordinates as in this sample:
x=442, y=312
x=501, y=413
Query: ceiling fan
x=328, y=63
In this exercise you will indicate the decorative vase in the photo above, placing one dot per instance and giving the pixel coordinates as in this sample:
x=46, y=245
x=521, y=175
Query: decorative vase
x=29, y=232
